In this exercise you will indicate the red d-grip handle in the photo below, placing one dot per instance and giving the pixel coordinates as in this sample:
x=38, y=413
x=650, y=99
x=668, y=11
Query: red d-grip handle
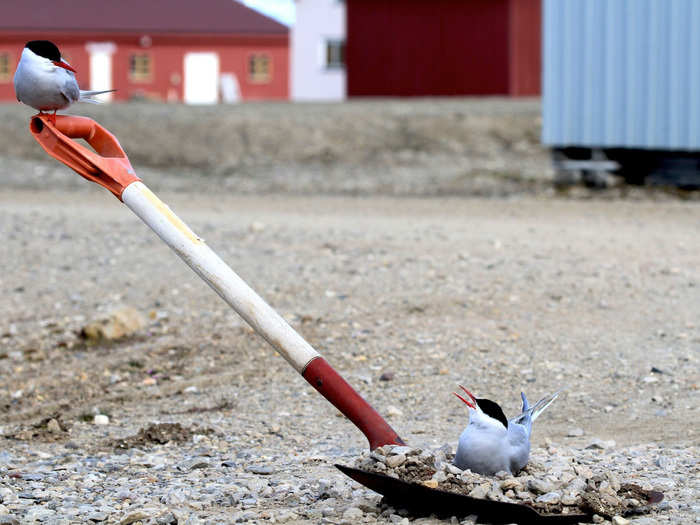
x=107, y=166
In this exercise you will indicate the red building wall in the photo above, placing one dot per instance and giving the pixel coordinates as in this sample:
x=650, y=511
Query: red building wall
x=167, y=52
x=442, y=47
x=525, y=47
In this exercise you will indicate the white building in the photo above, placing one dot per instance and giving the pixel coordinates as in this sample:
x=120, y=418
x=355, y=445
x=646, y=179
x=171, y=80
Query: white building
x=318, y=51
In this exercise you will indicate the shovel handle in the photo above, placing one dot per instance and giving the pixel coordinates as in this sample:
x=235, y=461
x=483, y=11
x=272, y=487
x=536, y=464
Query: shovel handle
x=111, y=169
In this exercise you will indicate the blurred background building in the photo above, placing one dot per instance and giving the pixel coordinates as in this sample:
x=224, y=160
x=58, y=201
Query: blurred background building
x=443, y=47
x=318, y=50
x=199, y=52
x=621, y=85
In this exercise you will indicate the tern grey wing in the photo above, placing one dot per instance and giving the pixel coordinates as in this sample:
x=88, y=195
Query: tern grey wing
x=70, y=90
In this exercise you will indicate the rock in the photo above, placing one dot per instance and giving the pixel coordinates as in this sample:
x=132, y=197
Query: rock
x=386, y=376
x=135, y=516
x=431, y=483
x=53, y=426
x=619, y=520
x=479, y=491
x=392, y=411
x=352, y=514
x=550, y=497
x=395, y=461
x=100, y=419
x=261, y=470
x=599, y=444
x=117, y=324
x=97, y=516
x=539, y=486
x=192, y=464
x=407, y=451
x=575, y=432
x=511, y=484
x=8, y=519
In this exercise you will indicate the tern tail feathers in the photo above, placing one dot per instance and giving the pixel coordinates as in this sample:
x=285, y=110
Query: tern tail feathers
x=85, y=95
x=542, y=405
x=531, y=413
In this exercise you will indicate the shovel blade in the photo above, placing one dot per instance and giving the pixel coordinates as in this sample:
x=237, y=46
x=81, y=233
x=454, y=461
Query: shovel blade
x=422, y=500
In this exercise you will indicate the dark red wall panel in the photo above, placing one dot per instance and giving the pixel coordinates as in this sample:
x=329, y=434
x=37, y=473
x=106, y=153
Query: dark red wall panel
x=427, y=48
x=525, y=47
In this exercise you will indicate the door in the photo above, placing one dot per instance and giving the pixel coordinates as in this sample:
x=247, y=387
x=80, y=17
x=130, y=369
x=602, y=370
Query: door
x=101, y=67
x=201, y=78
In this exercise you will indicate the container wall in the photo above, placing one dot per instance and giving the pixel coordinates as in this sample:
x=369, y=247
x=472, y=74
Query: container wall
x=623, y=73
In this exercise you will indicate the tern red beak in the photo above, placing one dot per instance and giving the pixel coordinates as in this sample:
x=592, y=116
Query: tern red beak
x=471, y=403
x=64, y=65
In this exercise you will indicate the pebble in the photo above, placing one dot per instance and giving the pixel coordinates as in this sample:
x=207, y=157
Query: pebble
x=392, y=411
x=353, y=513
x=619, y=520
x=100, y=419
x=262, y=470
x=575, y=432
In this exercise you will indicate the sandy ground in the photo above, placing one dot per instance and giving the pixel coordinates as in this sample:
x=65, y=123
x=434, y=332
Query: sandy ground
x=531, y=292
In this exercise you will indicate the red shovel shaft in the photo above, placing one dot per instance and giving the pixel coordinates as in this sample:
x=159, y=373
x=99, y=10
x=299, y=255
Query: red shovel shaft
x=110, y=168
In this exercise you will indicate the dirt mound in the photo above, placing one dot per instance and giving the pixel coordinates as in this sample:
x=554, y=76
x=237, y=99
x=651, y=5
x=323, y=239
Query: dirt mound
x=159, y=434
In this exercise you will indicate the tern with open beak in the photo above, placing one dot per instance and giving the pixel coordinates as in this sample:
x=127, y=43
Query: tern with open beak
x=491, y=443
x=45, y=81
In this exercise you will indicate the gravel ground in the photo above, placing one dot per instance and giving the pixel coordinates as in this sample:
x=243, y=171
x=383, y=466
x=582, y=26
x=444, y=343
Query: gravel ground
x=129, y=392
x=597, y=297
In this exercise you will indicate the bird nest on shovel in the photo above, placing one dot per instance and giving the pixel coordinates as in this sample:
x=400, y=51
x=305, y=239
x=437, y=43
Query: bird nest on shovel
x=569, y=487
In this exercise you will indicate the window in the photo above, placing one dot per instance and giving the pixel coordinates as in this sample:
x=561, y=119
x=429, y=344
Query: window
x=140, y=68
x=335, y=54
x=5, y=67
x=259, y=69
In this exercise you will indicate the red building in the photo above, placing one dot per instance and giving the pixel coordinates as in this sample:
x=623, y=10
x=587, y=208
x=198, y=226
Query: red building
x=198, y=51
x=443, y=47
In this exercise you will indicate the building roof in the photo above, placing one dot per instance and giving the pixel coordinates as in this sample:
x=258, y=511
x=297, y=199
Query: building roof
x=137, y=16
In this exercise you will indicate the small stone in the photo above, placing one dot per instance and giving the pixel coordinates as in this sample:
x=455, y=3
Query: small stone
x=619, y=520
x=550, y=497
x=53, y=427
x=97, y=516
x=600, y=444
x=575, y=432
x=192, y=464
x=479, y=492
x=392, y=411
x=395, y=461
x=117, y=324
x=407, y=451
x=135, y=516
x=386, y=376
x=539, y=486
x=597, y=519
x=353, y=513
x=261, y=470
x=100, y=419
x=8, y=519
x=431, y=483
x=191, y=390
x=511, y=484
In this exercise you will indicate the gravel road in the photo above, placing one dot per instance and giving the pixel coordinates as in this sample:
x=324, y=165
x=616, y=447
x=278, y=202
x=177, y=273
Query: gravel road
x=599, y=297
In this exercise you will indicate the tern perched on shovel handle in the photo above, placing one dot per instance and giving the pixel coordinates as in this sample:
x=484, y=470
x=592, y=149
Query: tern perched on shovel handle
x=109, y=167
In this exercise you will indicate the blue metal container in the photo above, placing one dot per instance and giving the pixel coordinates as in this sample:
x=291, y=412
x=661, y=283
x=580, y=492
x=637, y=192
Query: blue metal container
x=621, y=74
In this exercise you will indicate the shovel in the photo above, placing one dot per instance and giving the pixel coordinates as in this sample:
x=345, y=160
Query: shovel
x=109, y=167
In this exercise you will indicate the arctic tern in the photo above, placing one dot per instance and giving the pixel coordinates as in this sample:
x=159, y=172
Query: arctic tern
x=491, y=443
x=45, y=81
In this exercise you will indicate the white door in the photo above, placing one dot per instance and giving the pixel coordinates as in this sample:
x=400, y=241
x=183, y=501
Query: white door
x=201, y=78
x=101, y=67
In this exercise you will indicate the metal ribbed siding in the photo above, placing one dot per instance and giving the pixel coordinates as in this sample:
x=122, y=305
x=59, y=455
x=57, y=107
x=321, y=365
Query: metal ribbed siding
x=622, y=73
